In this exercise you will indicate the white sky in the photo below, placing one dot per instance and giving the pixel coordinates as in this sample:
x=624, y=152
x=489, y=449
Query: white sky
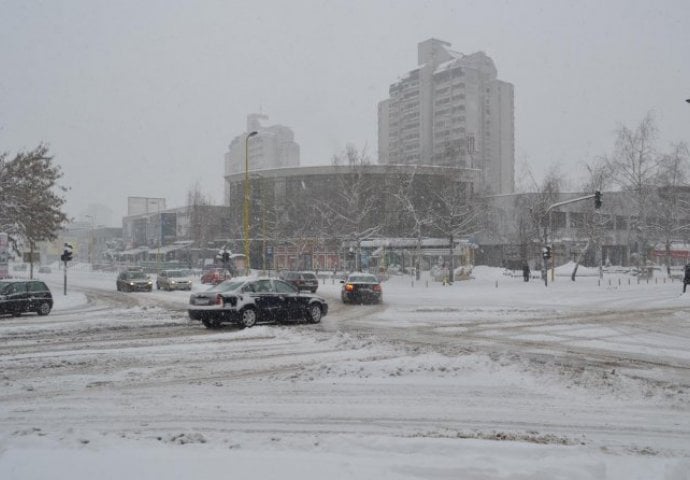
x=142, y=98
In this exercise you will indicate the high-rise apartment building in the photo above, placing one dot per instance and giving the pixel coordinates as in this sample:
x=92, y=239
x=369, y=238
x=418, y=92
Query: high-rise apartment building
x=452, y=111
x=273, y=147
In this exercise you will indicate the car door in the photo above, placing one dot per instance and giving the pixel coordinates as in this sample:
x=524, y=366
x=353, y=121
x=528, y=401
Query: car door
x=18, y=297
x=270, y=305
x=293, y=303
x=37, y=293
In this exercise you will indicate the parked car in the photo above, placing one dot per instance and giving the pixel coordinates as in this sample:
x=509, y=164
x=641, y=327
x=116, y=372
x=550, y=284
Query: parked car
x=301, y=280
x=134, y=280
x=215, y=275
x=21, y=296
x=361, y=288
x=173, y=280
x=44, y=269
x=245, y=302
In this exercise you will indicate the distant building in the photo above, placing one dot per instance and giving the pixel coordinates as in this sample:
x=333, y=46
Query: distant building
x=143, y=205
x=273, y=147
x=451, y=111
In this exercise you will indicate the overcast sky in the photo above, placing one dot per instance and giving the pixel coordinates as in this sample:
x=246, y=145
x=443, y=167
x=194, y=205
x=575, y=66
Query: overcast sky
x=142, y=97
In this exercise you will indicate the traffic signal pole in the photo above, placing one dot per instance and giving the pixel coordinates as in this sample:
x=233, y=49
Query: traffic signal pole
x=66, y=257
x=546, y=251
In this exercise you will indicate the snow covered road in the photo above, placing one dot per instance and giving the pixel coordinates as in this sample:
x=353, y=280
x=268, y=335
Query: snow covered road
x=491, y=378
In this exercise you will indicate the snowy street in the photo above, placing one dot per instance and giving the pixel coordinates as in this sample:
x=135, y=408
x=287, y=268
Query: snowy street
x=486, y=378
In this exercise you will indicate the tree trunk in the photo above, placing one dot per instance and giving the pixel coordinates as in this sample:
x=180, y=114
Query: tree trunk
x=578, y=260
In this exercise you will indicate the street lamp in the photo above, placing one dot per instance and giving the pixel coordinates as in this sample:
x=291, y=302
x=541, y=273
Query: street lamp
x=245, y=222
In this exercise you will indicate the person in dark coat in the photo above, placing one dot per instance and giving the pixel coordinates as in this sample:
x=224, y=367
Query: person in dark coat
x=525, y=272
x=686, y=277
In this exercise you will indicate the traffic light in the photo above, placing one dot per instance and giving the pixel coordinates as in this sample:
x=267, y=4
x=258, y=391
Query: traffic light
x=67, y=253
x=597, y=199
x=226, y=256
x=546, y=252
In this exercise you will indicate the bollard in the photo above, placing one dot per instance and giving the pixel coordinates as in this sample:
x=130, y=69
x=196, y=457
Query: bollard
x=609, y=282
x=427, y=284
x=628, y=281
x=619, y=282
x=496, y=283
x=598, y=283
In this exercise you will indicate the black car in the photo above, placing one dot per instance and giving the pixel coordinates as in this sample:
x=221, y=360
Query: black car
x=246, y=301
x=21, y=296
x=361, y=288
x=301, y=280
x=134, y=281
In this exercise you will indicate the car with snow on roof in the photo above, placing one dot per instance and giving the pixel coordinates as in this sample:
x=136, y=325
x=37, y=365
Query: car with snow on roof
x=247, y=301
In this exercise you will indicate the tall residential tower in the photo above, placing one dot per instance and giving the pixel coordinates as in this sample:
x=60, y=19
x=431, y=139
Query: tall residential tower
x=452, y=111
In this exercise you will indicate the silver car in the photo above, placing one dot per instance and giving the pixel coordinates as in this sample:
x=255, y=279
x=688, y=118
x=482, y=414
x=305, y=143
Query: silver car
x=173, y=280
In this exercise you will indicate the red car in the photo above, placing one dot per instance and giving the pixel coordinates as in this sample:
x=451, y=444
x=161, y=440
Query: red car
x=215, y=275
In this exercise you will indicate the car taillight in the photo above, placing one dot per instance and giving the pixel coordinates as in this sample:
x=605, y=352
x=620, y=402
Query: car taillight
x=219, y=299
x=349, y=287
x=376, y=288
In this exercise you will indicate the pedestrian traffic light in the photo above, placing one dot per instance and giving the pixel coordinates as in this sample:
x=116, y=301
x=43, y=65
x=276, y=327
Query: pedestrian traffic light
x=597, y=199
x=546, y=252
x=226, y=256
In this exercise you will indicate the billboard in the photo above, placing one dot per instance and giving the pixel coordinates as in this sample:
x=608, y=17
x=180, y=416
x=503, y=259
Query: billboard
x=142, y=205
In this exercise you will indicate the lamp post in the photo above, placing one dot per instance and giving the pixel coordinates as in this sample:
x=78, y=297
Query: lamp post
x=245, y=222
x=91, y=242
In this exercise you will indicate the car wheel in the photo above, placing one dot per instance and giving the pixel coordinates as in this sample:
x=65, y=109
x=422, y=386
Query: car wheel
x=314, y=313
x=118, y=287
x=43, y=308
x=248, y=316
x=158, y=286
x=16, y=314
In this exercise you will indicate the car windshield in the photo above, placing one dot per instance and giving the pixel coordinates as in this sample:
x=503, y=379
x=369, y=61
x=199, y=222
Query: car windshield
x=362, y=279
x=137, y=275
x=4, y=286
x=176, y=273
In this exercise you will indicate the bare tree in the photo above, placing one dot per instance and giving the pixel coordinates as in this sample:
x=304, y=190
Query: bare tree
x=415, y=215
x=636, y=164
x=672, y=199
x=349, y=211
x=457, y=213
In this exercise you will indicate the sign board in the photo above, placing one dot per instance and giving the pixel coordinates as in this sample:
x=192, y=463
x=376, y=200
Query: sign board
x=28, y=258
